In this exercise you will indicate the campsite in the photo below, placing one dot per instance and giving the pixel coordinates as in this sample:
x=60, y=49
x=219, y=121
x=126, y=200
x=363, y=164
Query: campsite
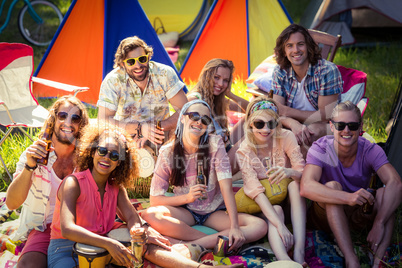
x=82, y=54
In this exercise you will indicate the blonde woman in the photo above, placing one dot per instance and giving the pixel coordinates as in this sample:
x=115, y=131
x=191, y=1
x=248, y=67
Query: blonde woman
x=265, y=138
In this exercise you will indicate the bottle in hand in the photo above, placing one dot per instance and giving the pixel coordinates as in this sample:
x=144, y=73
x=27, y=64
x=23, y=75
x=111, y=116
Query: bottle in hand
x=367, y=208
x=201, y=179
x=47, y=137
x=138, y=242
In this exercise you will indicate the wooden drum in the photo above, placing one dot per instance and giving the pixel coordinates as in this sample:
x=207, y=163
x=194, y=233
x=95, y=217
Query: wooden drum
x=91, y=256
x=146, y=158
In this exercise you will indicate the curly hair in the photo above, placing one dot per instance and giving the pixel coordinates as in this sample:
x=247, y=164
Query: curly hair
x=313, y=51
x=251, y=116
x=125, y=173
x=54, y=109
x=205, y=86
x=129, y=44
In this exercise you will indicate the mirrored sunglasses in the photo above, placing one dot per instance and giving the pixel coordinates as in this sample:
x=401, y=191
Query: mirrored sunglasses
x=353, y=126
x=195, y=116
x=113, y=155
x=259, y=124
x=75, y=118
x=141, y=59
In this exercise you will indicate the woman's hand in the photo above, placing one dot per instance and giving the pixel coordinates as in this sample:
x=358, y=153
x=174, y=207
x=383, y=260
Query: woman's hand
x=196, y=191
x=236, y=239
x=286, y=236
x=119, y=253
x=279, y=173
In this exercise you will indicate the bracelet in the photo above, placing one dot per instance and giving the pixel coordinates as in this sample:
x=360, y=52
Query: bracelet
x=31, y=169
x=139, y=133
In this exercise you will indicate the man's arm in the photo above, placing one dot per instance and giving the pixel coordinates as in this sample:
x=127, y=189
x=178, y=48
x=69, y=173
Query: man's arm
x=392, y=196
x=107, y=114
x=177, y=102
x=311, y=188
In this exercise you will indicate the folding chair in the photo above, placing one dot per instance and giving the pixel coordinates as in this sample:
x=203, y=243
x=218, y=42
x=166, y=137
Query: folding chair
x=18, y=106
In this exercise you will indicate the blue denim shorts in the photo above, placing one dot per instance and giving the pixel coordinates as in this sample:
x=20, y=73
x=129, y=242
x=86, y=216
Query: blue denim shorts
x=60, y=254
x=200, y=219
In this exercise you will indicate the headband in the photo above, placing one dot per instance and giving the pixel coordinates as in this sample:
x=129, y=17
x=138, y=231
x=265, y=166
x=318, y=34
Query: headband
x=264, y=105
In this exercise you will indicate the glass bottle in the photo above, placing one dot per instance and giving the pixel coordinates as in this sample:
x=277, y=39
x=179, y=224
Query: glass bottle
x=138, y=242
x=367, y=208
x=47, y=137
x=275, y=188
x=201, y=179
x=158, y=146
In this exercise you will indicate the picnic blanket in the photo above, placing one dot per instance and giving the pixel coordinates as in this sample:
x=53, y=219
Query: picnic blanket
x=321, y=251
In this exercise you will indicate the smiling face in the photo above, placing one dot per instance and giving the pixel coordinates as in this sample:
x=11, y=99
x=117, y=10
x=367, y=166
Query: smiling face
x=263, y=135
x=103, y=165
x=221, y=80
x=139, y=71
x=195, y=129
x=346, y=137
x=66, y=131
x=296, y=50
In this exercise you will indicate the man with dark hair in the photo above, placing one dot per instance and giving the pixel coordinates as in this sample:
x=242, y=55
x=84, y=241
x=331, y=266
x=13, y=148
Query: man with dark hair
x=136, y=94
x=336, y=177
x=306, y=87
x=34, y=186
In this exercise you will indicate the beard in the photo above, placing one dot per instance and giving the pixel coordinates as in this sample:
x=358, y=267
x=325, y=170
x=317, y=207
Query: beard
x=66, y=139
x=141, y=77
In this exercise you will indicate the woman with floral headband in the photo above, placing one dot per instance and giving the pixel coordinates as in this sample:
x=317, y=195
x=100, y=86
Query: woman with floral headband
x=266, y=141
x=211, y=204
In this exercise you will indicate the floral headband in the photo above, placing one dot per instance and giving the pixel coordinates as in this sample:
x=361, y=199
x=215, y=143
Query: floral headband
x=264, y=105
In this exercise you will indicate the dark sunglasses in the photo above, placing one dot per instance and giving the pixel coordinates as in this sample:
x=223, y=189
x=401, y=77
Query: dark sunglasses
x=259, y=124
x=196, y=117
x=75, y=118
x=353, y=126
x=113, y=155
x=141, y=59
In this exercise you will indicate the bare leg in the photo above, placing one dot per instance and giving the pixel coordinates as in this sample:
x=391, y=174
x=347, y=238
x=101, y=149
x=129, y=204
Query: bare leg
x=275, y=241
x=32, y=260
x=339, y=225
x=298, y=214
x=174, y=222
x=173, y=259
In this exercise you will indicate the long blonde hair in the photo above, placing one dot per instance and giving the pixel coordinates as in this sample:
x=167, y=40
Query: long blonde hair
x=205, y=86
x=250, y=117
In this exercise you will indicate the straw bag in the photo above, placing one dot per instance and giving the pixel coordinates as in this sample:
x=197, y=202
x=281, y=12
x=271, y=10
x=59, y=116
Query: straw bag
x=168, y=39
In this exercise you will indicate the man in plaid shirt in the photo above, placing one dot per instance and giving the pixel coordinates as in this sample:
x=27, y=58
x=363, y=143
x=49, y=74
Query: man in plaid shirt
x=306, y=87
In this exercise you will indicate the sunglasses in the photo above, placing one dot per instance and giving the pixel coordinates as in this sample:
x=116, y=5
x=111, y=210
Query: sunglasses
x=259, y=124
x=75, y=118
x=141, y=59
x=196, y=117
x=113, y=155
x=353, y=126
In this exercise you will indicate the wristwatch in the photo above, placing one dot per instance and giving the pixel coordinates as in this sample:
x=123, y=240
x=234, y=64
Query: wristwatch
x=31, y=169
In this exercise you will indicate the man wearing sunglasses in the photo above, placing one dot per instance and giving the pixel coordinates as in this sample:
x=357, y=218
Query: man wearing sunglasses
x=306, y=87
x=337, y=174
x=136, y=94
x=34, y=186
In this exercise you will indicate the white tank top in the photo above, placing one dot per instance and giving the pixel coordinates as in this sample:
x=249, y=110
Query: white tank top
x=55, y=182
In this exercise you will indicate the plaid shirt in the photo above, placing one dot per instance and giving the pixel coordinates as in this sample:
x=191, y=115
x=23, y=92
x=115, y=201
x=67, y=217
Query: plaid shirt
x=322, y=79
x=119, y=93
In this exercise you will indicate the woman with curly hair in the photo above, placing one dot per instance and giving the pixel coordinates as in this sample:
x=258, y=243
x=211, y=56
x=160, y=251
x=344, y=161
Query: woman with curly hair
x=266, y=141
x=210, y=203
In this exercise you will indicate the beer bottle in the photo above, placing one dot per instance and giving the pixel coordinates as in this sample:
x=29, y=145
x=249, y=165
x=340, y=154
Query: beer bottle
x=47, y=137
x=367, y=208
x=138, y=242
x=275, y=188
x=201, y=179
x=158, y=126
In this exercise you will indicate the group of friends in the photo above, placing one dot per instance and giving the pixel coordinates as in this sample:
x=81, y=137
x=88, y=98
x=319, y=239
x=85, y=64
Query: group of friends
x=77, y=195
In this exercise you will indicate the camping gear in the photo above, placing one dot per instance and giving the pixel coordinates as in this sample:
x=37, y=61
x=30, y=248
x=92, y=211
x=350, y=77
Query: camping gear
x=82, y=51
x=241, y=31
x=91, y=256
x=339, y=16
